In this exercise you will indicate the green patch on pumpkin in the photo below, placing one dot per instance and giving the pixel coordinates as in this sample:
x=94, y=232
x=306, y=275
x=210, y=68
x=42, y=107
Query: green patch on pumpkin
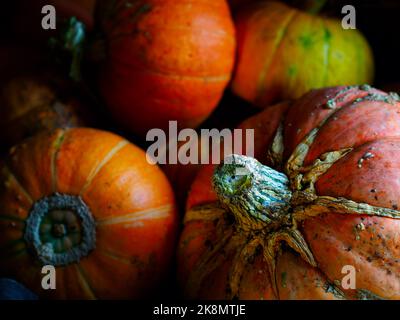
x=292, y=70
x=327, y=34
x=306, y=40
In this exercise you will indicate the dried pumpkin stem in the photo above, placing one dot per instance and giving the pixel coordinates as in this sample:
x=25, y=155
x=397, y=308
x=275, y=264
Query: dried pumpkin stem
x=240, y=263
x=325, y=204
x=275, y=152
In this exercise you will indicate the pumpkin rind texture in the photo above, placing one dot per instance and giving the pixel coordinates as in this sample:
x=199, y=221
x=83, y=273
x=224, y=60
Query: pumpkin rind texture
x=359, y=119
x=131, y=202
x=284, y=52
x=165, y=60
x=31, y=104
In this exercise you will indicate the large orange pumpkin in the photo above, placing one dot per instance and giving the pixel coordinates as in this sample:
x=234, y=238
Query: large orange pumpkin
x=284, y=52
x=252, y=232
x=165, y=60
x=88, y=203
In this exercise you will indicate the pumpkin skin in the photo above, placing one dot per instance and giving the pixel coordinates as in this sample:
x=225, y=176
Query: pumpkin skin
x=284, y=52
x=31, y=104
x=366, y=121
x=147, y=79
x=131, y=204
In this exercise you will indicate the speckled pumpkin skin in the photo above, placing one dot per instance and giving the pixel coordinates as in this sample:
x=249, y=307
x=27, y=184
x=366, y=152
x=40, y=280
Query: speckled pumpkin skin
x=353, y=119
x=131, y=201
x=165, y=60
x=284, y=52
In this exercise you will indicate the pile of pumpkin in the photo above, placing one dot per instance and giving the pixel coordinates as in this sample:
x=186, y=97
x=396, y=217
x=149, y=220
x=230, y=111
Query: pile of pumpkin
x=322, y=194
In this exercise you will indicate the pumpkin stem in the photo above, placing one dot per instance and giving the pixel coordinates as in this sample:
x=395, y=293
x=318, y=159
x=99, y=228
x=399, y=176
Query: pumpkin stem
x=71, y=41
x=60, y=229
x=258, y=196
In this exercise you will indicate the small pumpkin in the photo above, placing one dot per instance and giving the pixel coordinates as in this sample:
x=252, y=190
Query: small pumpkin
x=87, y=202
x=32, y=103
x=283, y=52
x=327, y=199
x=165, y=60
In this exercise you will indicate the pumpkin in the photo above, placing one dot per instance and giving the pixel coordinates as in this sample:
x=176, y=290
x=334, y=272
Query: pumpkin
x=31, y=104
x=87, y=202
x=284, y=52
x=326, y=201
x=165, y=60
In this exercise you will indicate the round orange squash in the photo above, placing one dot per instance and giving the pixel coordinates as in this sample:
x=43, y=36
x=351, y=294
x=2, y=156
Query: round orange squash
x=165, y=60
x=88, y=203
x=284, y=52
x=321, y=221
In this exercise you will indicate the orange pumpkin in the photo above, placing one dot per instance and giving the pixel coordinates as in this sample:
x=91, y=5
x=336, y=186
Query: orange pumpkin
x=258, y=233
x=165, y=60
x=88, y=203
x=284, y=52
x=31, y=104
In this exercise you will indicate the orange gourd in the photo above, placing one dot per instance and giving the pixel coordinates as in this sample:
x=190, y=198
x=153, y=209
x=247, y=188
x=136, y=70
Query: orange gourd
x=165, y=60
x=87, y=202
x=330, y=203
x=283, y=52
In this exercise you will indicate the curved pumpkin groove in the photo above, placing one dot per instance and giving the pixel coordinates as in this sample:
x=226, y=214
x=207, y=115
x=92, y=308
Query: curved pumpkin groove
x=83, y=279
x=215, y=32
x=208, y=262
x=213, y=79
x=5, y=217
x=205, y=78
x=209, y=211
x=102, y=163
x=263, y=74
x=61, y=282
x=53, y=167
x=19, y=185
x=154, y=213
x=115, y=256
x=239, y=265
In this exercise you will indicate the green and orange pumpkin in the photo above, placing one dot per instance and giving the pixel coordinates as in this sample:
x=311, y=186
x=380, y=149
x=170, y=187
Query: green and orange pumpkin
x=283, y=52
x=324, y=197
